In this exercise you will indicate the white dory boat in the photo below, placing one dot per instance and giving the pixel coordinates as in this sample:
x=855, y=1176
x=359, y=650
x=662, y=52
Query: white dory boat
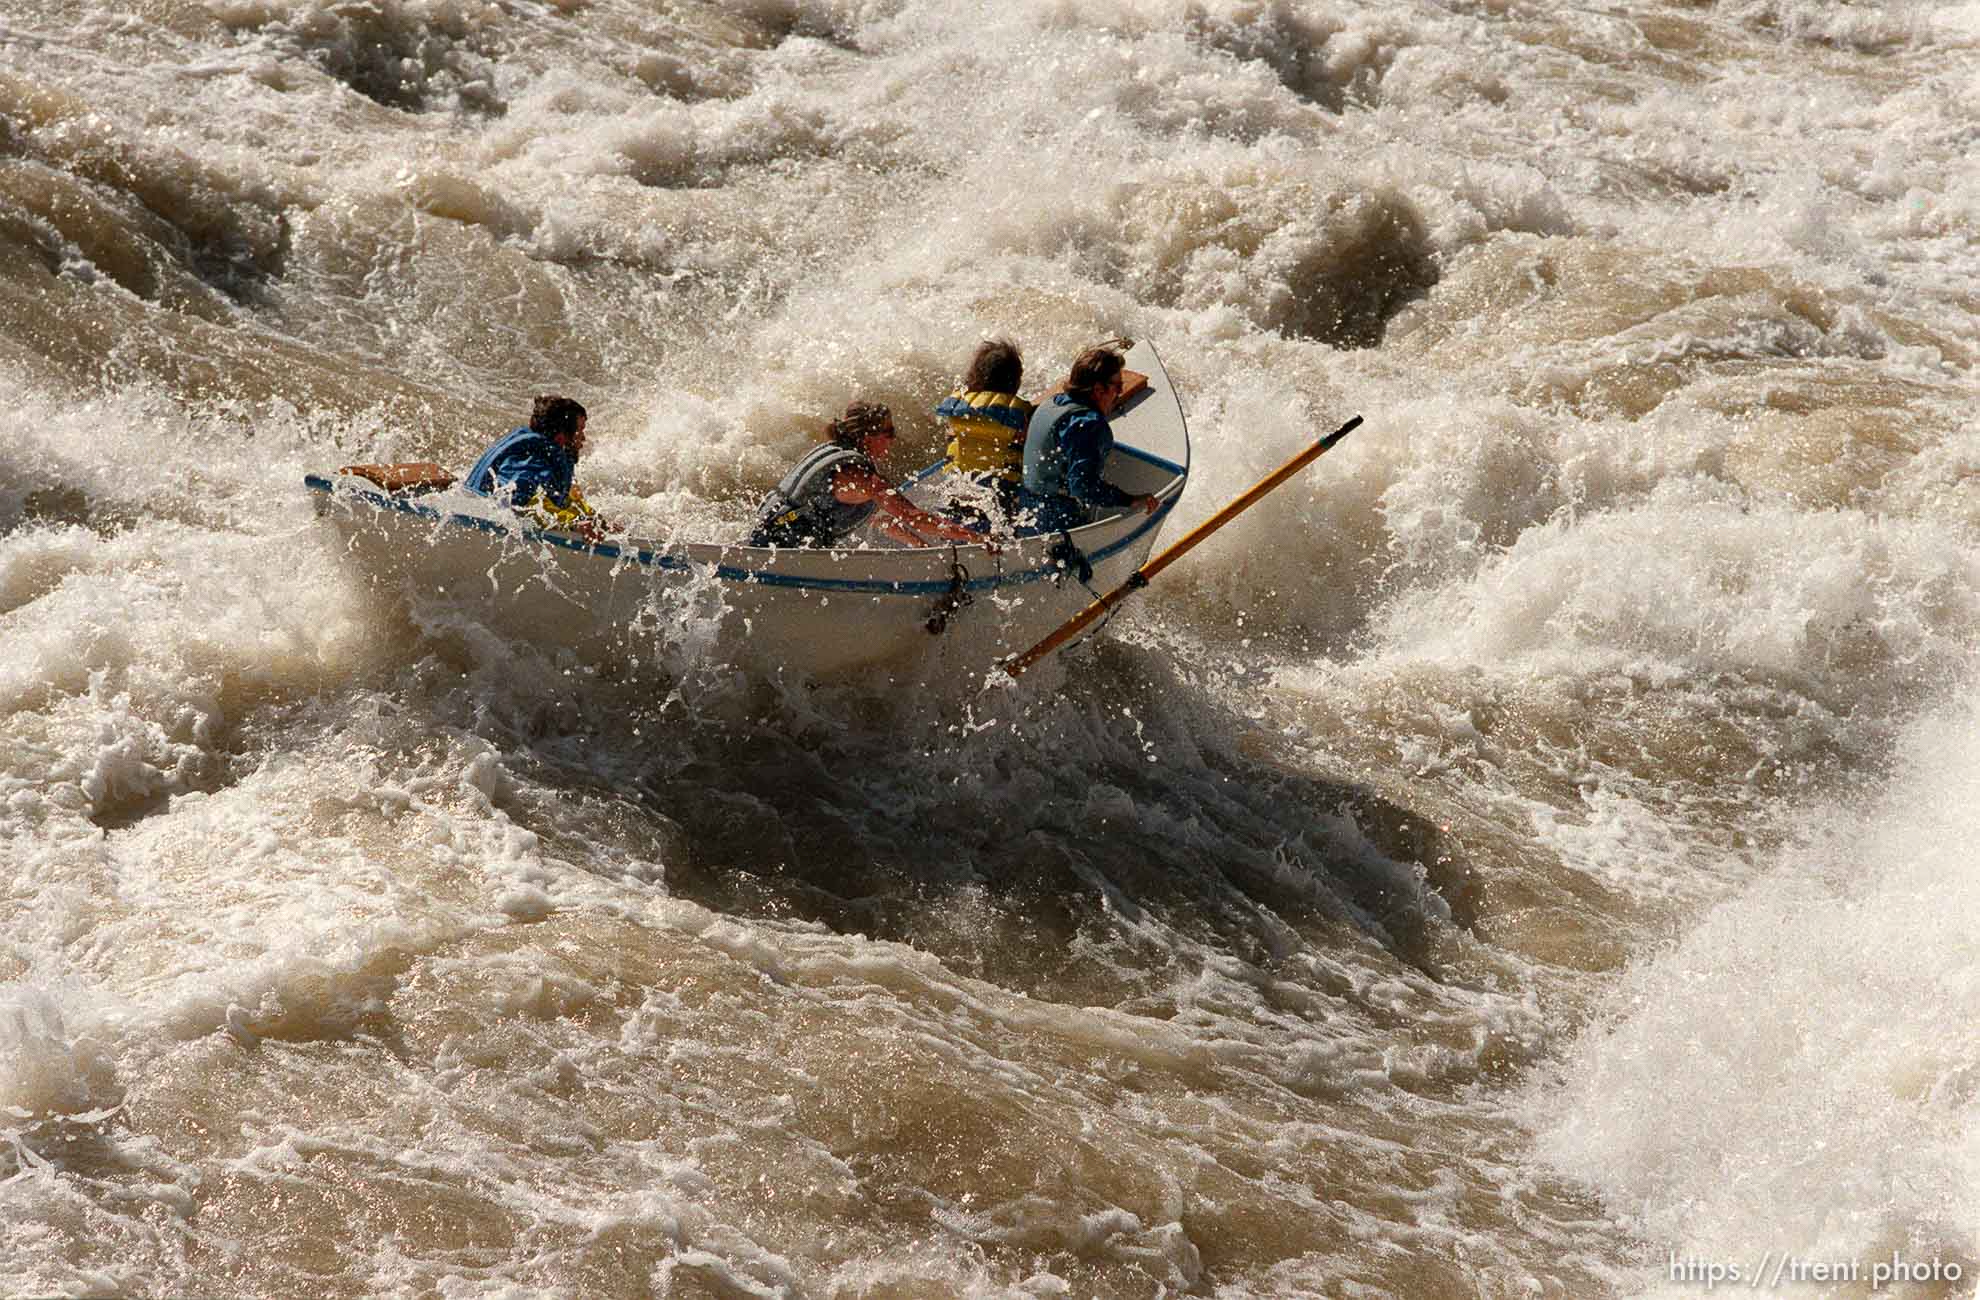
x=814, y=611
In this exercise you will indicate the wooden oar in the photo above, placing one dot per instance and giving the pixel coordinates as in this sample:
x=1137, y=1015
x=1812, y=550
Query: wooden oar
x=1139, y=578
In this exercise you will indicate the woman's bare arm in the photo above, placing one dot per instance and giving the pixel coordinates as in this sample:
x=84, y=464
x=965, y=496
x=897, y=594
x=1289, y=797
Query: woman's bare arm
x=854, y=486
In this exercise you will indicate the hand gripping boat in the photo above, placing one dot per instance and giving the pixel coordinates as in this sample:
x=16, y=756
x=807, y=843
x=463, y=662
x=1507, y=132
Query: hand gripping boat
x=817, y=612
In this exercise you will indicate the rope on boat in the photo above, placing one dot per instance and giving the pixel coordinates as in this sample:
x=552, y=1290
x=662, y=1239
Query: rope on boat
x=951, y=602
x=1071, y=560
x=1073, y=563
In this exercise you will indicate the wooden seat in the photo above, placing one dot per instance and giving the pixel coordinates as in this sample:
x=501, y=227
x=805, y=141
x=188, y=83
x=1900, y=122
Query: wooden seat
x=411, y=479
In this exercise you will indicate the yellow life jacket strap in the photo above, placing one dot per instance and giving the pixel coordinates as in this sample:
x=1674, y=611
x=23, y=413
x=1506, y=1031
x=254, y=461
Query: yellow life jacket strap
x=555, y=516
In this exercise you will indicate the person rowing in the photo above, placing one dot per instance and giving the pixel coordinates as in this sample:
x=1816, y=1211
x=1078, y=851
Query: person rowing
x=838, y=486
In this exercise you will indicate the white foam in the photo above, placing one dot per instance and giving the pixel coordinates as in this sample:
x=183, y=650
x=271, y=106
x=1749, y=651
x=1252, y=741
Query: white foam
x=1796, y=1073
x=1664, y=493
x=1715, y=586
x=49, y=1066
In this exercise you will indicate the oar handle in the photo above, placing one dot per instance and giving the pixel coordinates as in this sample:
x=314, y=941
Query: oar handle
x=1085, y=618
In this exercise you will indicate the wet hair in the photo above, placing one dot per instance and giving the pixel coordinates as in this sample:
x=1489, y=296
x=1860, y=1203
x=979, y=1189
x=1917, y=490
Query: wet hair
x=997, y=367
x=1092, y=368
x=861, y=421
x=555, y=415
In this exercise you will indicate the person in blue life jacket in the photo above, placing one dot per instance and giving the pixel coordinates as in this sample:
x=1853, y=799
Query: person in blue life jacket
x=1067, y=444
x=986, y=422
x=837, y=487
x=532, y=469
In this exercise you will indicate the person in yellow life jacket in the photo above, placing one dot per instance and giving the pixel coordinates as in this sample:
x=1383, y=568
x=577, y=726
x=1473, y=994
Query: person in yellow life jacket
x=986, y=422
x=532, y=469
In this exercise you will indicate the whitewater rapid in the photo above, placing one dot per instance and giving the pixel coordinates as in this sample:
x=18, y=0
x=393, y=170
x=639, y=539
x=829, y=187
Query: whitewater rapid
x=1523, y=855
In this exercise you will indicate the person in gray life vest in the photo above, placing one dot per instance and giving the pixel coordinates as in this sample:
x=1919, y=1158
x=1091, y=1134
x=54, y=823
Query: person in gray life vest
x=1067, y=445
x=838, y=487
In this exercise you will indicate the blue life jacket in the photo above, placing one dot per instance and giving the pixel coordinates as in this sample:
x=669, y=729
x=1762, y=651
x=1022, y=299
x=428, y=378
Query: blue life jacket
x=1065, y=448
x=524, y=462
x=802, y=510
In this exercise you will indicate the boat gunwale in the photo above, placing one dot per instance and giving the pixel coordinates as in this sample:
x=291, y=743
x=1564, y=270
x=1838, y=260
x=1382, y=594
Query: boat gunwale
x=677, y=562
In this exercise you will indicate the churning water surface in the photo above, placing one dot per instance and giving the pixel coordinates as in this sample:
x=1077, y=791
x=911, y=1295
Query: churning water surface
x=1528, y=854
